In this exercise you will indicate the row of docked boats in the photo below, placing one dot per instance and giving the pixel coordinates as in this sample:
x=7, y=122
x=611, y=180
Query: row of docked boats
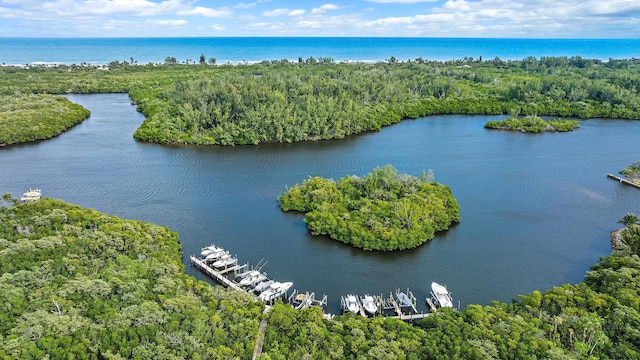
x=398, y=304
x=221, y=264
x=363, y=305
x=217, y=257
x=264, y=288
x=252, y=281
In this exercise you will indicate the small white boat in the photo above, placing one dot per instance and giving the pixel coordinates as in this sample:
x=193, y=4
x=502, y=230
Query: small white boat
x=369, y=304
x=253, y=278
x=31, y=195
x=274, y=291
x=351, y=304
x=224, y=260
x=441, y=295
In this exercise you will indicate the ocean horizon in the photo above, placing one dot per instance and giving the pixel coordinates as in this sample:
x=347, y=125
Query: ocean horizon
x=234, y=50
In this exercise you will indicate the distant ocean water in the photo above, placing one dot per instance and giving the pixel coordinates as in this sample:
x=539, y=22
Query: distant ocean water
x=238, y=50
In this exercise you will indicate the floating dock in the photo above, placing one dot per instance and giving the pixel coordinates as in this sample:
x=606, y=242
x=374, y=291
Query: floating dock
x=624, y=181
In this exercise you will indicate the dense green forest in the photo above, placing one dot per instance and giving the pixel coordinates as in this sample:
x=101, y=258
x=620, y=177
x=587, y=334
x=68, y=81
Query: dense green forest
x=77, y=283
x=287, y=101
x=25, y=118
x=533, y=124
x=383, y=210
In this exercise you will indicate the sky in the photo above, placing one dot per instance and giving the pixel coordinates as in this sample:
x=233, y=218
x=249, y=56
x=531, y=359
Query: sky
x=388, y=18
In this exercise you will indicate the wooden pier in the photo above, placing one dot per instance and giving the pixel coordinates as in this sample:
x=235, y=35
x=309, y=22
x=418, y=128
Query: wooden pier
x=305, y=300
x=432, y=306
x=624, y=181
x=215, y=274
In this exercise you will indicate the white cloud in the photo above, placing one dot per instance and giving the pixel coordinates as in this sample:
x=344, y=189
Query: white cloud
x=400, y=1
x=245, y=6
x=445, y=18
x=167, y=22
x=206, y=12
x=276, y=12
x=323, y=9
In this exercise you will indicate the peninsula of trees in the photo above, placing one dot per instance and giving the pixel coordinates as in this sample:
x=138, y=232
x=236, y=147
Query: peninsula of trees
x=284, y=101
x=533, y=124
x=77, y=283
x=25, y=118
x=381, y=211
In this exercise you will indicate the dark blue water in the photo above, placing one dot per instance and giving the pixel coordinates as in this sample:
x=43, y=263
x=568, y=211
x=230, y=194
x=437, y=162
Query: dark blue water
x=238, y=50
x=536, y=209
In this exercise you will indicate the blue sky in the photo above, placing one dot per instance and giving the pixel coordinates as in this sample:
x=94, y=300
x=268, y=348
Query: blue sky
x=409, y=18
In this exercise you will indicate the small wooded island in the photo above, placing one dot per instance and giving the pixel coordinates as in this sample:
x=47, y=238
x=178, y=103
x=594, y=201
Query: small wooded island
x=533, y=124
x=380, y=211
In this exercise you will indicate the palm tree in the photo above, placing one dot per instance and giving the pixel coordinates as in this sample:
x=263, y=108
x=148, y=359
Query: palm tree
x=6, y=197
x=629, y=219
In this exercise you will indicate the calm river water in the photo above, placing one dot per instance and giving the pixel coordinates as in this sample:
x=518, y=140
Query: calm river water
x=536, y=209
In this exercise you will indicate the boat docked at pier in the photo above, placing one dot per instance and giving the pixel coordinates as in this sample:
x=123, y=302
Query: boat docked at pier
x=369, y=304
x=31, y=195
x=274, y=291
x=350, y=303
x=252, y=278
x=210, y=250
x=440, y=296
x=224, y=261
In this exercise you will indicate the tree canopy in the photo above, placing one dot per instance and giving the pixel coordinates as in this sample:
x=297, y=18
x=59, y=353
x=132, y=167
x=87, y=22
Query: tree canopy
x=381, y=211
x=533, y=124
x=25, y=118
x=283, y=101
x=77, y=283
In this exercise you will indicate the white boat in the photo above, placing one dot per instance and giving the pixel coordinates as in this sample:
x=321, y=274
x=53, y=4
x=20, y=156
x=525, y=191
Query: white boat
x=224, y=260
x=253, y=278
x=210, y=250
x=351, y=304
x=216, y=255
x=441, y=295
x=31, y=195
x=369, y=304
x=274, y=291
x=262, y=286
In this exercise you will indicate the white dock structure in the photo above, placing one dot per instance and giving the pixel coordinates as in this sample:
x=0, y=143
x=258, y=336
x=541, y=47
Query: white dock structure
x=215, y=274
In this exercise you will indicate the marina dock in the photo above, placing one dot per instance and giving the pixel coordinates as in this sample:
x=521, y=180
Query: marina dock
x=250, y=280
x=623, y=181
x=215, y=274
